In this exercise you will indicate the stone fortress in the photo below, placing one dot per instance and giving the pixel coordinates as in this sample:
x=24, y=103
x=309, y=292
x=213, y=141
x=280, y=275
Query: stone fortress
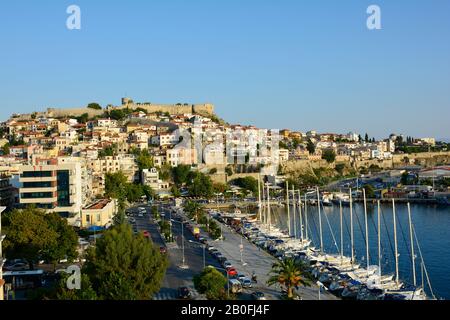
x=205, y=109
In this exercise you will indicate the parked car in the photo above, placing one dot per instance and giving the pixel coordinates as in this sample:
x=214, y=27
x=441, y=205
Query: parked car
x=257, y=295
x=203, y=240
x=232, y=272
x=146, y=234
x=16, y=265
x=184, y=293
x=246, y=283
x=241, y=276
x=163, y=250
x=227, y=264
x=221, y=259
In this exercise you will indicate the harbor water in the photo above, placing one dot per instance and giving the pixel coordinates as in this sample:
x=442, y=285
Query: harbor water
x=431, y=224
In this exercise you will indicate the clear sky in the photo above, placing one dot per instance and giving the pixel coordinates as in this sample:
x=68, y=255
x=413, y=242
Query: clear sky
x=300, y=64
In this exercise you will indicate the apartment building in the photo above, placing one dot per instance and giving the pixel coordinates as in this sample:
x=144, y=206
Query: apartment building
x=124, y=163
x=55, y=185
x=7, y=191
x=150, y=177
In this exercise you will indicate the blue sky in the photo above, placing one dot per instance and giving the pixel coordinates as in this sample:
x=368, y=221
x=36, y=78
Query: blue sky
x=298, y=64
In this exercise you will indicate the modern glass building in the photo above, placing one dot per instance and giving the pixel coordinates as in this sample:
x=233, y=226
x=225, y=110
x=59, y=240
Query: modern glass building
x=54, y=185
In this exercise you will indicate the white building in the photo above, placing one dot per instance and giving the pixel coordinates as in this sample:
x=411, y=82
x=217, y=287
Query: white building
x=165, y=139
x=55, y=185
x=150, y=177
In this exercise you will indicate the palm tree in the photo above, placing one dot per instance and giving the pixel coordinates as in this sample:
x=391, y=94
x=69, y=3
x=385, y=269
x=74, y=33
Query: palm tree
x=289, y=274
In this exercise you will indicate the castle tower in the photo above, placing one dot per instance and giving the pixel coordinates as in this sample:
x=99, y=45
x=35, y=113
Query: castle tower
x=126, y=101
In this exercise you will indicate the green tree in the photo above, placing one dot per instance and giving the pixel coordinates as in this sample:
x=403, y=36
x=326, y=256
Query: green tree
x=340, y=168
x=109, y=151
x=180, y=174
x=83, y=118
x=175, y=191
x=123, y=266
x=366, y=138
x=229, y=170
x=329, y=155
x=94, y=106
x=144, y=160
x=116, y=185
x=201, y=186
x=118, y=114
x=370, y=191
x=289, y=274
x=32, y=234
x=5, y=149
x=310, y=147
x=211, y=283
x=247, y=183
x=67, y=240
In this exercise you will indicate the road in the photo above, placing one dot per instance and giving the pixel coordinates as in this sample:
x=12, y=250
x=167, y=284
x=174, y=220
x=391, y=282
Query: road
x=175, y=276
x=254, y=259
x=259, y=261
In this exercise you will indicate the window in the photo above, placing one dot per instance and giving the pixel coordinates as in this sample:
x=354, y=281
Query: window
x=47, y=184
x=37, y=174
x=36, y=195
x=63, y=188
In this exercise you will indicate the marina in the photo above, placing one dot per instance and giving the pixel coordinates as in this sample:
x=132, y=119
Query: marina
x=404, y=258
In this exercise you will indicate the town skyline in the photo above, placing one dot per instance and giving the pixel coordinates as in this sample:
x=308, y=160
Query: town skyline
x=325, y=130
x=292, y=65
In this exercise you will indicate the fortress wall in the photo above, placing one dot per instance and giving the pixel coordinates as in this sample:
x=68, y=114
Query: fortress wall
x=172, y=109
x=76, y=112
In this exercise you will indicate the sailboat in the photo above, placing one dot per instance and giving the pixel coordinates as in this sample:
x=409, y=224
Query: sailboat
x=404, y=292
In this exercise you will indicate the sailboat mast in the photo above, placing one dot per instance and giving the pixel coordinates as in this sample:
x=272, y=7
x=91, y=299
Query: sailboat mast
x=288, y=209
x=413, y=258
x=259, y=198
x=342, y=235
x=306, y=218
x=263, y=213
x=320, y=220
x=379, y=237
x=351, y=227
x=295, y=210
x=395, y=241
x=300, y=214
x=367, y=229
x=268, y=207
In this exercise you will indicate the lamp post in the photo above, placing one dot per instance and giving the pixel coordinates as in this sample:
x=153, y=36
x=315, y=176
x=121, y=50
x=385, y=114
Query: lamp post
x=204, y=250
x=183, y=264
x=320, y=285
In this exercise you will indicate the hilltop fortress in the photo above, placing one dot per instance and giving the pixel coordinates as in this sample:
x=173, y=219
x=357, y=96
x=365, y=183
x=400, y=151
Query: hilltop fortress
x=206, y=109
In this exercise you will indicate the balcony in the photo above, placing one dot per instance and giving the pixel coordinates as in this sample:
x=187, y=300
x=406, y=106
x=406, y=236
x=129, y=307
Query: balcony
x=38, y=179
x=39, y=200
x=31, y=190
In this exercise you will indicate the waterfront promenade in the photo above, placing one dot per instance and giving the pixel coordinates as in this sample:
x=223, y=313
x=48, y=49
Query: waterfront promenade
x=259, y=261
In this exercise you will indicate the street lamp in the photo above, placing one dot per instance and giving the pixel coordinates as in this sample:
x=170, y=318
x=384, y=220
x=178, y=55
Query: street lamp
x=241, y=247
x=204, y=249
x=183, y=265
x=321, y=285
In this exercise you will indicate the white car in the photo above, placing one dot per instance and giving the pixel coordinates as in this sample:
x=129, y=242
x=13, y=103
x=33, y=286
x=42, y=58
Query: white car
x=246, y=282
x=241, y=277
